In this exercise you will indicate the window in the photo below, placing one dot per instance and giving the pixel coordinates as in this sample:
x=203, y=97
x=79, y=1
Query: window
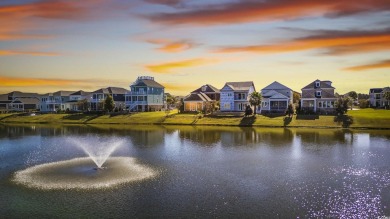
x=265, y=104
x=318, y=93
x=226, y=106
x=317, y=84
x=320, y=104
x=204, y=88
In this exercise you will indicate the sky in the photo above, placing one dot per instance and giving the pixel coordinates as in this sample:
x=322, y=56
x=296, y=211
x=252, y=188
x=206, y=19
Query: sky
x=51, y=45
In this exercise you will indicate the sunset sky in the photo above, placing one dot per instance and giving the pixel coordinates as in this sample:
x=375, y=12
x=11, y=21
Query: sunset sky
x=52, y=45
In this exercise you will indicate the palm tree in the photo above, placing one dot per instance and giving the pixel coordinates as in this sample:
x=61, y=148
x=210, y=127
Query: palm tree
x=255, y=100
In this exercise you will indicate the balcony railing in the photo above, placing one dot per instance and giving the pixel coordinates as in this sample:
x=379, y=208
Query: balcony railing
x=136, y=93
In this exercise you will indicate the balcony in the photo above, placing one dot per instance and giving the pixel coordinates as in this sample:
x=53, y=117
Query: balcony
x=52, y=102
x=133, y=93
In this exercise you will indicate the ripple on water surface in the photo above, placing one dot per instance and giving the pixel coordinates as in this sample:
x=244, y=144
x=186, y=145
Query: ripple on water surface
x=79, y=173
x=356, y=193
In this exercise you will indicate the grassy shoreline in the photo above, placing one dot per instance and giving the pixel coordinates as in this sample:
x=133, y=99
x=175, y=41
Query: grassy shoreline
x=356, y=119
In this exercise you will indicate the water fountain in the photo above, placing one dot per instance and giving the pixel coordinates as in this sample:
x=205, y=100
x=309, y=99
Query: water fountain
x=84, y=173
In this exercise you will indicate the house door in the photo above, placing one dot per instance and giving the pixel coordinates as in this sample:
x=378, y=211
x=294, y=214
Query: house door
x=241, y=106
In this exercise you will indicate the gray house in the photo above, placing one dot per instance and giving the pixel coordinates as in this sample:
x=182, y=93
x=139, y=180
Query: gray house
x=145, y=95
x=318, y=96
x=98, y=97
x=276, y=98
x=376, y=97
x=235, y=96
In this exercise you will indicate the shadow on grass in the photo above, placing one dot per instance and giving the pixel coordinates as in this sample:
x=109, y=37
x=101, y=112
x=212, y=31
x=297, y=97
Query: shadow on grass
x=344, y=120
x=77, y=116
x=287, y=120
x=248, y=121
x=307, y=117
x=273, y=115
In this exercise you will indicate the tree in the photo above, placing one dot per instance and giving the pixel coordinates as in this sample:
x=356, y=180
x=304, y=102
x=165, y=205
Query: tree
x=386, y=96
x=296, y=97
x=290, y=109
x=109, y=104
x=170, y=100
x=180, y=105
x=255, y=100
x=248, y=111
x=83, y=104
x=341, y=105
x=353, y=96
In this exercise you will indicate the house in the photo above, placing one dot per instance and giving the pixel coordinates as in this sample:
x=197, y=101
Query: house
x=74, y=101
x=276, y=98
x=377, y=97
x=52, y=102
x=212, y=92
x=24, y=104
x=318, y=96
x=145, y=95
x=235, y=96
x=196, y=102
x=201, y=98
x=19, y=101
x=117, y=94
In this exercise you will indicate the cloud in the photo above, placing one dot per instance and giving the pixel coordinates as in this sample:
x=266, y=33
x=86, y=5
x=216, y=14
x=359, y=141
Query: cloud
x=268, y=10
x=380, y=64
x=332, y=42
x=17, y=21
x=178, y=87
x=172, y=46
x=165, y=2
x=169, y=67
x=30, y=53
x=35, y=82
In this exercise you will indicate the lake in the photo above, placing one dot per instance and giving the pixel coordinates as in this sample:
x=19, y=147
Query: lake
x=206, y=172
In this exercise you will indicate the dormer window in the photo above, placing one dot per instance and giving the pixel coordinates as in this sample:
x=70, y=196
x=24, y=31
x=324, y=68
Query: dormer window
x=317, y=84
x=318, y=93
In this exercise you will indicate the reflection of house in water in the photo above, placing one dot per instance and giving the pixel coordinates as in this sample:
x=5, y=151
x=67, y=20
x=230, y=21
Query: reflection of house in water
x=204, y=135
x=250, y=136
x=17, y=131
x=323, y=136
x=147, y=138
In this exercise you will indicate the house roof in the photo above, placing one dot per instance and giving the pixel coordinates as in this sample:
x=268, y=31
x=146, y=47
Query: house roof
x=147, y=83
x=240, y=86
x=63, y=93
x=15, y=94
x=323, y=84
x=209, y=89
x=81, y=92
x=3, y=97
x=376, y=90
x=273, y=94
x=324, y=94
x=276, y=86
x=197, y=97
x=111, y=90
x=26, y=100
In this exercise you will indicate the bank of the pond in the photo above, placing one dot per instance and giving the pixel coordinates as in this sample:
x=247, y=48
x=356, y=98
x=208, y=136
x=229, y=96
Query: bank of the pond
x=367, y=118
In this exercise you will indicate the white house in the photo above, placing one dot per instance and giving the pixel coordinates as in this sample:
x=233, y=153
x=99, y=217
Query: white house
x=235, y=96
x=52, y=102
x=276, y=98
x=74, y=105
x=377, y=97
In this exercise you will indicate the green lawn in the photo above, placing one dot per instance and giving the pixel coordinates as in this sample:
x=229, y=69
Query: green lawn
x=370, y=118
x=365, y=118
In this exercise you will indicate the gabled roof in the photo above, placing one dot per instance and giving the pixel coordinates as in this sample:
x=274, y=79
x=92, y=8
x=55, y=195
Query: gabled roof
x=3, y=97
x=376, y=90
x=63, y=93
x=209, y=89
x=80, y=92
x=26, y=100
x=276, y=86
x=273, y=94
x=323, y=84
x=147, y=83
x=197, y=97
x=111, y=90
x=240, y=86
x=15, y=94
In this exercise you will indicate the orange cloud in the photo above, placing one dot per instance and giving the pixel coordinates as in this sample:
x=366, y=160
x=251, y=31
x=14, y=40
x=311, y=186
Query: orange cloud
x=30, y=53
x=381, y=64
x=168, y=67
x=178, y=87
x=335, y=43
x=252, y=11
x=35, y=82
x=172, y=46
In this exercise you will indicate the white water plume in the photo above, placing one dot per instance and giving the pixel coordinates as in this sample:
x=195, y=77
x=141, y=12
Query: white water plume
x=97, y=148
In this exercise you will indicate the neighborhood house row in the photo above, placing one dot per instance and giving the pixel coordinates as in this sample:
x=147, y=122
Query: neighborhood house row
x=146, y=94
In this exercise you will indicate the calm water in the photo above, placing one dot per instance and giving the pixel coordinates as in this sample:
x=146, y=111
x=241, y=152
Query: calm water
x=225, y=172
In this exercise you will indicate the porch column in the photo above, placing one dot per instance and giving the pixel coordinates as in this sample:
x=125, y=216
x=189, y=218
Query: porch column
x=315, y=105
